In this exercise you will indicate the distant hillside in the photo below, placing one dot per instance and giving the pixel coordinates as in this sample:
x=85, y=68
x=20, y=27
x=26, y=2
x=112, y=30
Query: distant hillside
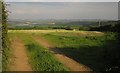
x=58, y=24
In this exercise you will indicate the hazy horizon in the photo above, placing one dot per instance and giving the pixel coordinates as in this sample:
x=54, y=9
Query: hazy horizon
x=63, y=10
x=61, y=0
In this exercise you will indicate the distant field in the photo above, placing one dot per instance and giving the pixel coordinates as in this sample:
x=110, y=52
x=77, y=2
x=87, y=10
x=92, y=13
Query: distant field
x=64, y=31
x=96, y=50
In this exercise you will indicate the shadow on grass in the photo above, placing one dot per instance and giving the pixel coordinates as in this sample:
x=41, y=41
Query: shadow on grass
x=104, y=57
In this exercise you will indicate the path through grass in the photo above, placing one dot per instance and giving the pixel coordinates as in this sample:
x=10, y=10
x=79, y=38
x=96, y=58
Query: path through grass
x=40, y=58
x=19, y=58
x=68, y=62
x=96, y=50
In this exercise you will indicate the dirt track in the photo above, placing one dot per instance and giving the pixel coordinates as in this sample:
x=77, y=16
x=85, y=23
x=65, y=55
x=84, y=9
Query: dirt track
x=68, y=62
x=19, y=59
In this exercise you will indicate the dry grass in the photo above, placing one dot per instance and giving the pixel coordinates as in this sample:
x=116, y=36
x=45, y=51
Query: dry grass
x=91, y=33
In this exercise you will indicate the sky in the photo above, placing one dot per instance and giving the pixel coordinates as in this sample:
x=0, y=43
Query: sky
x=62, y=0
x=63, y=10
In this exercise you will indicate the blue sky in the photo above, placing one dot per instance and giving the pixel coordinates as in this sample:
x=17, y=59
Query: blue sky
x=62, y=0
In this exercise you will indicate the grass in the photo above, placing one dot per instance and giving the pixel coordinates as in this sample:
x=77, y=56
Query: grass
x=63, y=39
x=40, y=58
x=99, y=51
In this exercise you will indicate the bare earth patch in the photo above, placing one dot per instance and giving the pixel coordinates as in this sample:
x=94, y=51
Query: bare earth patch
x=68, y=62
x=19, y=59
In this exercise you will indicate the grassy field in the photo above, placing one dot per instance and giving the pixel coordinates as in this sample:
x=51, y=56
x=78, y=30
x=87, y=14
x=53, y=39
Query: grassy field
x=96, y=50
x=40, y=58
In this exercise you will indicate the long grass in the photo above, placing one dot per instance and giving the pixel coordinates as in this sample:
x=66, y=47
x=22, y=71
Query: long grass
x=40, y=58
x=99, y=52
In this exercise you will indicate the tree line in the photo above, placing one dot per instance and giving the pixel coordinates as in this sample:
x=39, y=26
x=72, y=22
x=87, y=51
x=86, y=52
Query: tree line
x=106, y=28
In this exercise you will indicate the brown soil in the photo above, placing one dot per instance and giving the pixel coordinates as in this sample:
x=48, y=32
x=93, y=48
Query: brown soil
x=19, y=59
x=68, y=62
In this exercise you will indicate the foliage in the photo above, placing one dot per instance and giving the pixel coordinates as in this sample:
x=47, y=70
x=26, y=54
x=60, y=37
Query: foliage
x=109, y=27
x=4, y=26
x=5, y=59
x=48, y=27
x=5, y=51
